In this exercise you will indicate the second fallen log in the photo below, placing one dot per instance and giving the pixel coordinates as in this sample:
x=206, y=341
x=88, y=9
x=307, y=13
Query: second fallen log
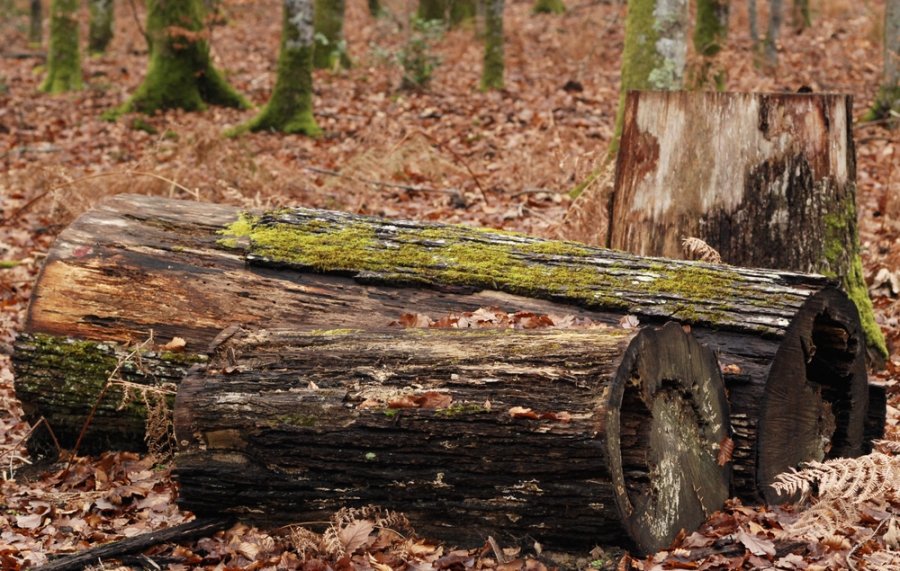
x=568, y=437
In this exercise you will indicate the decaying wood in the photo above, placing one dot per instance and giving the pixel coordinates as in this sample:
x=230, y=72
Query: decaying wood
x=565, y=437
x=139, y=263
x=766, y=180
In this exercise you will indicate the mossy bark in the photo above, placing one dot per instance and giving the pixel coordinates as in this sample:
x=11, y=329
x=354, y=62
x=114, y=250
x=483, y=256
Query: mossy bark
x=100, y=32
x=36, y=23
x=548, y=7
x=432, y=10
x=710, y=30
x=64, y=57
x=888, y=98
x=375, y=8
x=492, y=70
x=289, y=109
x=330, y=49
x=462, y=11
x=180, y=73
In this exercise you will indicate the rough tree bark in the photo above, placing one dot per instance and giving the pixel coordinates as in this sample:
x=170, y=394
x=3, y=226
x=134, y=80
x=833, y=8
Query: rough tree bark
x=888, y=98
x=289, y=109
x=568, y=437
x=140, y=263
x=492, y=67
x=330, y=49
x=64, y=57
x=776, y=189
x=36, y=22
x=180, y=73
x=100, y=31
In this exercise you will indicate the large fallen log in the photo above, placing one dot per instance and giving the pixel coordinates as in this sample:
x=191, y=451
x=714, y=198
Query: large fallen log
x=567, y=437
x=791, y=344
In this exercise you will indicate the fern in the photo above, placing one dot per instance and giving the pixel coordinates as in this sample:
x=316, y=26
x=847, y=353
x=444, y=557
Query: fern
x=860, y=479
x=697, y=249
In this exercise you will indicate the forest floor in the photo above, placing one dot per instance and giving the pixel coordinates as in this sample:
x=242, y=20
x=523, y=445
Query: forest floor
x=503, y=159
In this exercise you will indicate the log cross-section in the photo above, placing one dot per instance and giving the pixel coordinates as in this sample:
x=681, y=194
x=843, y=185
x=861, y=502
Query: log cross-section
x=567, y=437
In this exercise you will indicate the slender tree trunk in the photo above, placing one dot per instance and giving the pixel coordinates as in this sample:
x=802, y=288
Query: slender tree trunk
x=462, y=11
x=100, y=32
x=800, y=17
x=330, y=49
x=289, y=109
x=64, y=58
x=710, y=31
x=770, y=46
x=753, y=17
x=432, y=10
x=180, y=73
x=888, y=98
x=375, y=8
x=492, y=70
x=36, y=23
x=549, y=7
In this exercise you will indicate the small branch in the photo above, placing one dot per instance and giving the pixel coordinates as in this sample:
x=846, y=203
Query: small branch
x=850, y=563
x=137, y=20
x=24, y=55
x=460, y=160
x=186, y=531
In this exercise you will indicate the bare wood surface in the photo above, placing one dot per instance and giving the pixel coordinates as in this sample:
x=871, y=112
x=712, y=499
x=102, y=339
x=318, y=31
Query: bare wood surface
x=568, y=437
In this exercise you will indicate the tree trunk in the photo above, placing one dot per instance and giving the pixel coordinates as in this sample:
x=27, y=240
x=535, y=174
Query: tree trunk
x=330, y=49
x=181, y=268
x=770, y=47
x=64, y=57
x=289, y=109
x=549, y=7
x=462, y=11
x=800, y=17
x=36, y=23
x=710, y=31
x=888, y=98
x=180, y=73
x=375, y=8
x=492, y=68
x=100, y=32
x=566, y=437
x=777, y=186
x=432, y=10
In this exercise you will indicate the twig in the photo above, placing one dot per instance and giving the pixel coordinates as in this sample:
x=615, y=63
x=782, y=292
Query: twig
x=537, y=191
x=31, y=430
x=460, y=160
x=24, y=55
x=137, y=21
x=857, y=546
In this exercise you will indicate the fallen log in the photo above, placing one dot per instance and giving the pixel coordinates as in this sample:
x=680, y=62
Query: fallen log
x=565, y=437
x=194, y=270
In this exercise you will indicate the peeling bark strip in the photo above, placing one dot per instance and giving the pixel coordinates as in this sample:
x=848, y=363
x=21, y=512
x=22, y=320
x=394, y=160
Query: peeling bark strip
x=767, y=180
x=137, y=263
x=567, y=437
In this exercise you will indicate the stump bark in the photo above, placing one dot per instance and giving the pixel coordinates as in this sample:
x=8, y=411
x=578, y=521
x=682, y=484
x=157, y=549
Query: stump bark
x=767, y=180
x=566, y=437
x=194, y=270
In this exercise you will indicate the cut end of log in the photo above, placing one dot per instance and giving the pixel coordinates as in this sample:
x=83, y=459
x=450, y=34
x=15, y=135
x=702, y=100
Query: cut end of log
x=668, y=419
x=815, y=405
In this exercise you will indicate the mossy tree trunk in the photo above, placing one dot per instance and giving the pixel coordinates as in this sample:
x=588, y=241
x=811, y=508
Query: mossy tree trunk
x=770, y=44
x=778, y=189
x=180, y=73
x=888, y=98
x=462, y=11
x=36, y=23
x=710, y=31
x=100, y=32
x=375, y=8
x=330, y=48
x=289, y=109
x=548, y=7
x=64, y=57
x=432, y=10
x=492, y=70
x=800, y=16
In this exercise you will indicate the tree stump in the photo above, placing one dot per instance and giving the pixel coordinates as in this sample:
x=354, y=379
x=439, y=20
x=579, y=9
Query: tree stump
x=767, y=180
x=195, y=270
x=565, y=437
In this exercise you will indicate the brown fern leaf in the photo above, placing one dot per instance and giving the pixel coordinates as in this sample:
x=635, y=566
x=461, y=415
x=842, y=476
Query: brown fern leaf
x=887, y=446
x=825, y=518
x=697, y=249
x=305, y=541
x=860, y=479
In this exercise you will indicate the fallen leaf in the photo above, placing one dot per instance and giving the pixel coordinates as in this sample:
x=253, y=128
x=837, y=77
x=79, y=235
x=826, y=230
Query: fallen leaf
x=522, y=412
x=175, y=345
x=356, y=534
x=30, y=521
x=756, y=545
x=726, y=449
x=629, y=322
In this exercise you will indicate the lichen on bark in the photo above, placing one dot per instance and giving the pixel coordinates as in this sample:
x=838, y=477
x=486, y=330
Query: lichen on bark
x=180, y=73
x=330, y=49
x=289, y=109
x=64, y=58
x=100, y=32
x=492, y=71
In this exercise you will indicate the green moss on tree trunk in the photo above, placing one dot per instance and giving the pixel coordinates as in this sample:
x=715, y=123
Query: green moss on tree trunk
x=36, y=23
x=100, y=32
x=375, y=8
x=711, y=26
x=432, y=10
x=64, y=58
x=492, y=72
x=289, y=110
x=462, y=11
x=549, y=7
x=180, y=74
x=330, y=49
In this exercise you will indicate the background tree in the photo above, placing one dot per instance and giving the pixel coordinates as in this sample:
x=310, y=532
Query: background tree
x=492, y=71
x=548, y=7
x=432, y=10
x=710, y=31
x=36, y=23
x=888, y=98
x=180, y=73
x=289, y=109
x=64, y=58
x=462, y=11
x=100, y=31
x=375, y=8
x=330, y=49
x=800, y=17
x=770, y=49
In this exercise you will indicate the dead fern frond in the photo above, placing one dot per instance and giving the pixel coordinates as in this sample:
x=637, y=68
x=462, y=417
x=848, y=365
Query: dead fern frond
x=887, y=446
x=824, y=518
x=860, y=479
x=697, y=249
x=350, y=528
x=306, y=542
